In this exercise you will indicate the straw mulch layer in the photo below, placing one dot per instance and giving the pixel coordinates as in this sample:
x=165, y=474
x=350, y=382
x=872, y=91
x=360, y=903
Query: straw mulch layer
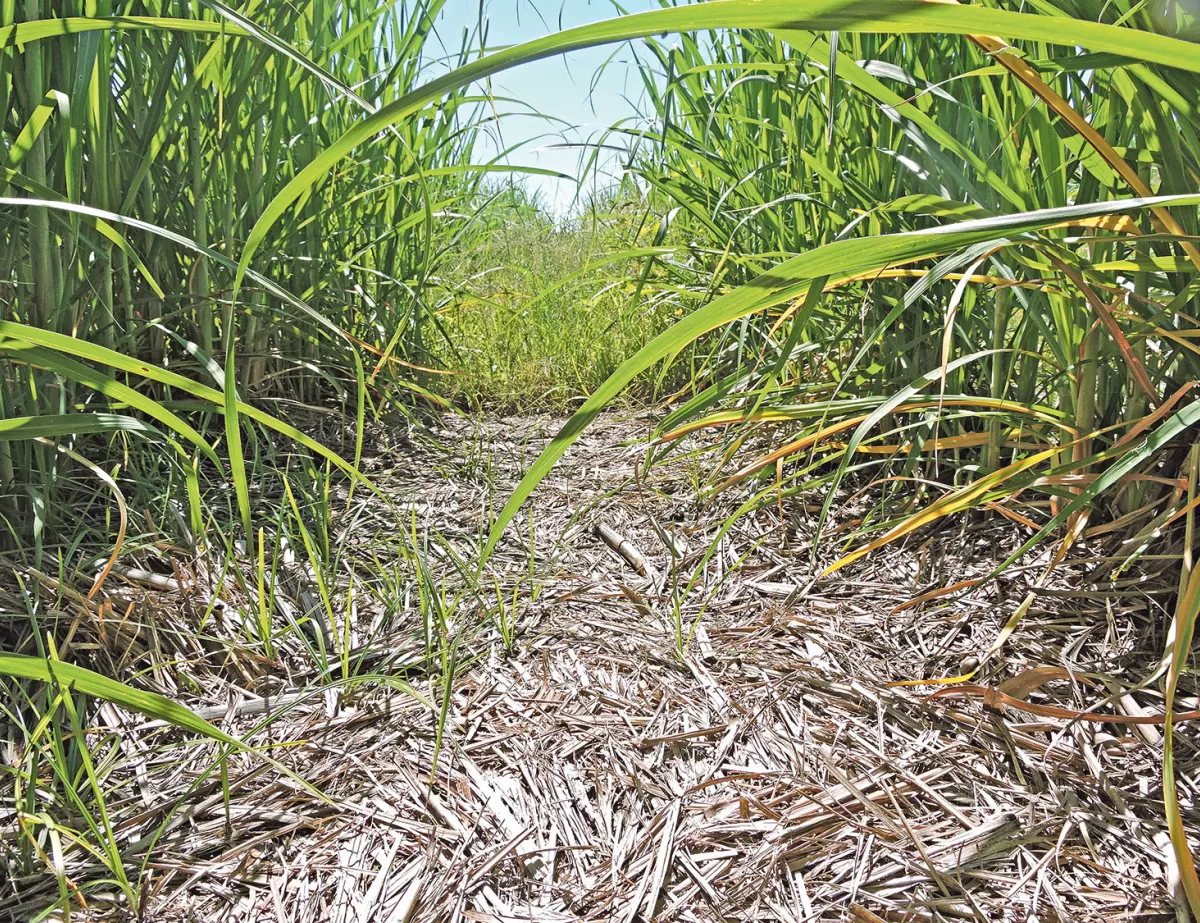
x=770, y=773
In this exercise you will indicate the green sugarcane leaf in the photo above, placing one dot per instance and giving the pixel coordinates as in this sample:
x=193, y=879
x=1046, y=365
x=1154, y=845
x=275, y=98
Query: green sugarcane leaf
x=55, y=426
x=150, y=704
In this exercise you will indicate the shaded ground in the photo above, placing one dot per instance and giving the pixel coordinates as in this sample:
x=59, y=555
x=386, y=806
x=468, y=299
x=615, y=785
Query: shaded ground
x=768, y=774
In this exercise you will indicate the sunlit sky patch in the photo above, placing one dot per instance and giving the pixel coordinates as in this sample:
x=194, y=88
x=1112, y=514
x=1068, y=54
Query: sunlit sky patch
x=576, y=97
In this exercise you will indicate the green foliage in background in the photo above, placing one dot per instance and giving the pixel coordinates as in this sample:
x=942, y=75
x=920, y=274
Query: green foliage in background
x=543, y=309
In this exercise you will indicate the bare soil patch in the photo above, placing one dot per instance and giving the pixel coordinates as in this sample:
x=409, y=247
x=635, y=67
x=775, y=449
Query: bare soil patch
x=770, y=772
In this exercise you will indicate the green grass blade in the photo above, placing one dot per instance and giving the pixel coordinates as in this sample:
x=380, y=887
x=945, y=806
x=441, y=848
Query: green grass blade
x=112, y=359
x=109, y=387
x=150, y=704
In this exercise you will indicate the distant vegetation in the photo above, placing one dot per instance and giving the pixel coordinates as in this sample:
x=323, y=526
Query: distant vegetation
x=543, y=308
x=960, y=267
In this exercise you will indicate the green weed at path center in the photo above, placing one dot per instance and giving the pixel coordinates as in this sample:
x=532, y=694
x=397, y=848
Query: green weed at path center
x=542, y=312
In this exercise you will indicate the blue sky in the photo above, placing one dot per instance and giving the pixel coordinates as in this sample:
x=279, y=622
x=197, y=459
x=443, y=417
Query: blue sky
x=561, y=87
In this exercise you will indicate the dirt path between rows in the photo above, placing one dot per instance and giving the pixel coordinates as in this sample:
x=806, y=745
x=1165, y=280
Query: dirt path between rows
x=769, y=773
